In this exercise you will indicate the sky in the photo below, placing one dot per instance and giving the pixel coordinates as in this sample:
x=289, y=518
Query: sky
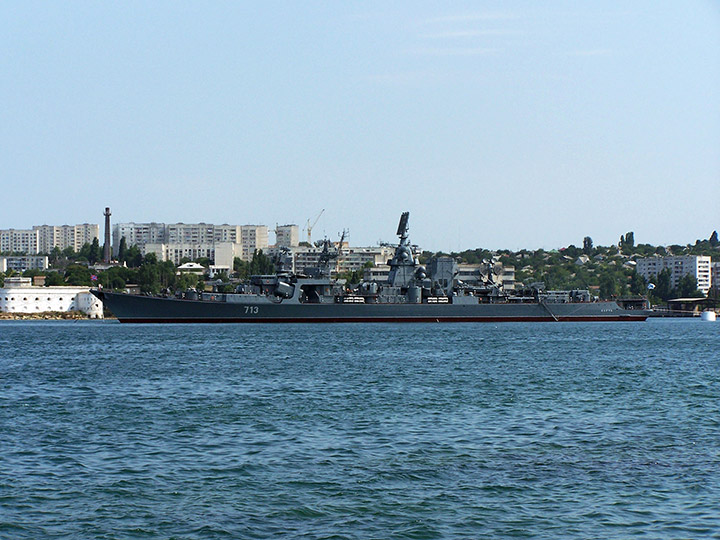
x=501, y=125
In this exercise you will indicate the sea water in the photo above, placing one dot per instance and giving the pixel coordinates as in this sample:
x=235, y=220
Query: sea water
x=545, y=430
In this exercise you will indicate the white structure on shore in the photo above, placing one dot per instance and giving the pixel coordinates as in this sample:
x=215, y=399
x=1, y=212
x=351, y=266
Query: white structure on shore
x=19, y=296
x=697, y=266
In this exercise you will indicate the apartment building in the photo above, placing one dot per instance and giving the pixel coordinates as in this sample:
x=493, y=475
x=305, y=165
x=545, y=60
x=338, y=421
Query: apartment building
x=175, y=241
x=715, y=275
x=20, y=263
x=697, y=266
x=19, y=241
x=138, y=234
x=287, y=236
x=66, y=236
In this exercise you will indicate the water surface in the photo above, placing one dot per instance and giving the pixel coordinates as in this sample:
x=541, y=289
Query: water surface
x=544, y=430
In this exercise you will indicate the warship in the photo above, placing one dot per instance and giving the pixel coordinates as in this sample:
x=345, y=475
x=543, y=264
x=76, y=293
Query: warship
x=411, y=293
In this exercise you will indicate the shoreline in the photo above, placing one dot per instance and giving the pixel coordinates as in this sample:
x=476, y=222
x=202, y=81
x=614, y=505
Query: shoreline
x=49, y=316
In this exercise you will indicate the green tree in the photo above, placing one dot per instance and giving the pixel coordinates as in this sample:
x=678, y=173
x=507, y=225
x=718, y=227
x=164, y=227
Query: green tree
x=587, y=245
x=608, y=286
x=663, y=287
x=94, y=254
x=241, y=267
x=186, y=280
x=261, y=264
x=78, y=275
x=714, y=239
x=55, y=255
x=148, y=277
x=54, y=279
x=133, y=257
x=630, y=239
x=122, y=249
x=687, y=287
x=637, y=284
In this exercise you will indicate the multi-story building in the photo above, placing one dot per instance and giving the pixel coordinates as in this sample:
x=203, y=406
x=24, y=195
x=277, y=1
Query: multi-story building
x=19, y=241
x=715, y=275
x=176, y=241
x=138, y=234
x=175, y=252
x=253, y=237
x=287, y=236
x=697, y=266
x=66, y=236
x=20, y=263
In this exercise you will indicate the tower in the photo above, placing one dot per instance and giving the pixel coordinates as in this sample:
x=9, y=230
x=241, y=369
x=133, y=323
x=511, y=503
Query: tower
x=106, y=247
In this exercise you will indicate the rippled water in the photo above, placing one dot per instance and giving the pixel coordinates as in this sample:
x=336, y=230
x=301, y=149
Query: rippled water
x=573, y=430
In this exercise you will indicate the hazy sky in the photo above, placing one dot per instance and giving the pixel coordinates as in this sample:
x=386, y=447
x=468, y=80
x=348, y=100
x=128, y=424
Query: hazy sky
x=496, y=124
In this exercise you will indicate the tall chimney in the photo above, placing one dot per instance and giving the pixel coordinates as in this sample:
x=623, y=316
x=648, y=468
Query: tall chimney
x=106, y=247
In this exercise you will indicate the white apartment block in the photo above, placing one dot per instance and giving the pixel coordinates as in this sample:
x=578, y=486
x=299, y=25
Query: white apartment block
x=190, y=233
x=138, y=234
x=287, y=236
x=20, y=241
x=21, y=263
x=253, y=238
x=175, y=252
x=66, y=236
x=697, y=266
x=192, y=240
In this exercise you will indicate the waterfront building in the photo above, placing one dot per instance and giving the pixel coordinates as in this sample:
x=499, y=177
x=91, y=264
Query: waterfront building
x=20, y=296
x=697, y=266
x=20, y=263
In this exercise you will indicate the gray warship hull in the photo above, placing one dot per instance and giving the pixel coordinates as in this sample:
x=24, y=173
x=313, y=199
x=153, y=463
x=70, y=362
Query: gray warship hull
x=257, y=309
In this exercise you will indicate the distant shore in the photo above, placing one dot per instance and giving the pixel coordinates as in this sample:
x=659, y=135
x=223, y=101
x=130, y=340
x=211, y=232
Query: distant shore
x=45, y=316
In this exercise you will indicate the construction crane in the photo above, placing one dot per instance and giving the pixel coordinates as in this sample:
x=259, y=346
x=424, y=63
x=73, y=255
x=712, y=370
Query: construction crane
x=310, y=227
